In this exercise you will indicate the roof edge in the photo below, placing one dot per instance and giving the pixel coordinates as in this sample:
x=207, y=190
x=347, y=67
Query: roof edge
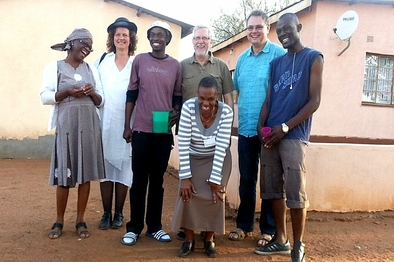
x=294, y=8
x=187, y=29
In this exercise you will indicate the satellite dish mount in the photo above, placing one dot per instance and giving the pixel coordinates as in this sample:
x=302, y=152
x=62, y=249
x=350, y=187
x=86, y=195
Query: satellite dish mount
x=346, y=26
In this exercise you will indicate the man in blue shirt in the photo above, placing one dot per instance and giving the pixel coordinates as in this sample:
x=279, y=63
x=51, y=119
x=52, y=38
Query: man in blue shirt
x=251, y=81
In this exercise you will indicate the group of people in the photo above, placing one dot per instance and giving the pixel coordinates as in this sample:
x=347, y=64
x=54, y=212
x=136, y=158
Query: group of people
x=103, y=114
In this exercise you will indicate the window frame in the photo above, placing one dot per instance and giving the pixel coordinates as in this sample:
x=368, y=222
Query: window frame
x=381, y=85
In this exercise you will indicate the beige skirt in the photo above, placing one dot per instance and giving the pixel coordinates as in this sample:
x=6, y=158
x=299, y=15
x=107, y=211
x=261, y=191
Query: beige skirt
x=200, y=213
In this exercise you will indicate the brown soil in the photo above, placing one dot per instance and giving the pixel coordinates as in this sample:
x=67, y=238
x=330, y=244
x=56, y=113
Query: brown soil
x=27, y=211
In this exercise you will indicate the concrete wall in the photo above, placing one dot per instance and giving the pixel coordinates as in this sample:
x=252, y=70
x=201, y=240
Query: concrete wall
x=340, y=177
x=27, y=30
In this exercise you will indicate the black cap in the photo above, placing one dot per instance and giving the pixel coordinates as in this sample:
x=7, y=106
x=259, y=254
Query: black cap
x=122, y=22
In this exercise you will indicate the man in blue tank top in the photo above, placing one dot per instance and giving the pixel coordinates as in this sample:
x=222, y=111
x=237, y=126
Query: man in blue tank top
x=293, y=96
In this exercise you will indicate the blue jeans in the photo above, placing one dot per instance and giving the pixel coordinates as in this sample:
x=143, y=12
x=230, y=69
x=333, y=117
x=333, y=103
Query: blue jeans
x=151, y=153
x=248, y=159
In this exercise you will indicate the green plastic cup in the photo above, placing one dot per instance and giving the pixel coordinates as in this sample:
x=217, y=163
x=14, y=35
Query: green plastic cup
x=160, y=121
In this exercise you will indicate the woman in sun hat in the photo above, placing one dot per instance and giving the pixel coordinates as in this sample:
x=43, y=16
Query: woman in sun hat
x=114, y=69
x=74, y=90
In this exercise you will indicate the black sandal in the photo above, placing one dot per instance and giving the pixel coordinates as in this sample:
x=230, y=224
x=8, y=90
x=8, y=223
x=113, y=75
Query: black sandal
x=55, y=233
x=82, y=233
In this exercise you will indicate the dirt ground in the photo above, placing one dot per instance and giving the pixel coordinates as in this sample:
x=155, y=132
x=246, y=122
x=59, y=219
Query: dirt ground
x=27, y=211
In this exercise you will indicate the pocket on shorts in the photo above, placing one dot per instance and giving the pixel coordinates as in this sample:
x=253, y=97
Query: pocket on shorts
x=295, y=185
x=271, y=180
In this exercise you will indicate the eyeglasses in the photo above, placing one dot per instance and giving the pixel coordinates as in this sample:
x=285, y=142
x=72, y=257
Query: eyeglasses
x=257, y=28
x=86, y=45
x=198, y=38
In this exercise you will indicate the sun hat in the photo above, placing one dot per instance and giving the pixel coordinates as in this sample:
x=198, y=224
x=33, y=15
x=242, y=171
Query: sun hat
x=77, y=33
x=163, y=25
x=122, y=22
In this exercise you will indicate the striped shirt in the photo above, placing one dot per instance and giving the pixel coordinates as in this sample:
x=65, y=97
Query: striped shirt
x=192, y=135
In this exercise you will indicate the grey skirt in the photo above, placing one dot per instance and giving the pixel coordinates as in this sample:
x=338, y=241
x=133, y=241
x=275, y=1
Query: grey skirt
x=77, y=153
x=200, y=213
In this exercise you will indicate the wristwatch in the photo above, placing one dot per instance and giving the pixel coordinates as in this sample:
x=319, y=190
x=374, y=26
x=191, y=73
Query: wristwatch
x=285, y=128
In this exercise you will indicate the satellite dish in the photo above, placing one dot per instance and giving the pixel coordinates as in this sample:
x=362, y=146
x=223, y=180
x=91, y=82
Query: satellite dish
x=346, y=25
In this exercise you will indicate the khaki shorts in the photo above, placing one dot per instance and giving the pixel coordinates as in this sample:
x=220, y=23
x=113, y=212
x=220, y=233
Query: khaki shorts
x=283, y=173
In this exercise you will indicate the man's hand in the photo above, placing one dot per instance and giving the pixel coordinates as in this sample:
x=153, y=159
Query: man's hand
x=128, y=135
x=174, y=117
x=274, y=137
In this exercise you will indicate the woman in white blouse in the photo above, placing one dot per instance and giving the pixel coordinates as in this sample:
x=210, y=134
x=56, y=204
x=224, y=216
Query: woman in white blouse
x=114, y=69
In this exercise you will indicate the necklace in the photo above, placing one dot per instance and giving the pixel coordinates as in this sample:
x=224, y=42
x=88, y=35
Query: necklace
x=292, y=72
x=208, y=119
x=292, y=68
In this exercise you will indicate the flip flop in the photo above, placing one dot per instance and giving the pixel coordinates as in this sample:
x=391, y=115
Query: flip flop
x=129, y=239
x=160, y=236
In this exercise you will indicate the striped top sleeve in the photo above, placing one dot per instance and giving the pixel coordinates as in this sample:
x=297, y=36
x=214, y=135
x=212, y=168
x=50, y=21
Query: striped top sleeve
x=192, y=134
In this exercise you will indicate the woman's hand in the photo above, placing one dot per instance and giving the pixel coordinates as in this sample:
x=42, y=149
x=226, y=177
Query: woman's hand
x=76, y=92
x=217, y=191
x=88, y=90
x=187, y=190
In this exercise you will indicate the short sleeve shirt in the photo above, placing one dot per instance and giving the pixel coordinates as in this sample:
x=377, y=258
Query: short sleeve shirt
x=193, y=72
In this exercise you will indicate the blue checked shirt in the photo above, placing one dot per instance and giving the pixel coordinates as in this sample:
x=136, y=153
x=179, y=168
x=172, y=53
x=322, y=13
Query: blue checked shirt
x=251, y=81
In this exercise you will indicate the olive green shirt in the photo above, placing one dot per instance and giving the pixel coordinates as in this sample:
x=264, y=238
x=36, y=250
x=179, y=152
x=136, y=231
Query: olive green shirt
x=193, y=72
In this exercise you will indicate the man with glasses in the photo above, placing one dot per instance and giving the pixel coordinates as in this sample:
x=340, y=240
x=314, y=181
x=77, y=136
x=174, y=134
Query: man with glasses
x=203, y=64
x=251, y=81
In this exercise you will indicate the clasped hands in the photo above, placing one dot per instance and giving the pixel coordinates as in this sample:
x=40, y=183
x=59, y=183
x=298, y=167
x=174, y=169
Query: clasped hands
x=187, y=190
x=87, y=90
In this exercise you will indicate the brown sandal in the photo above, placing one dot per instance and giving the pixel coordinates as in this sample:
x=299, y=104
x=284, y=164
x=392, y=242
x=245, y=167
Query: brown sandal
x=264, y=240
x=238, y=234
